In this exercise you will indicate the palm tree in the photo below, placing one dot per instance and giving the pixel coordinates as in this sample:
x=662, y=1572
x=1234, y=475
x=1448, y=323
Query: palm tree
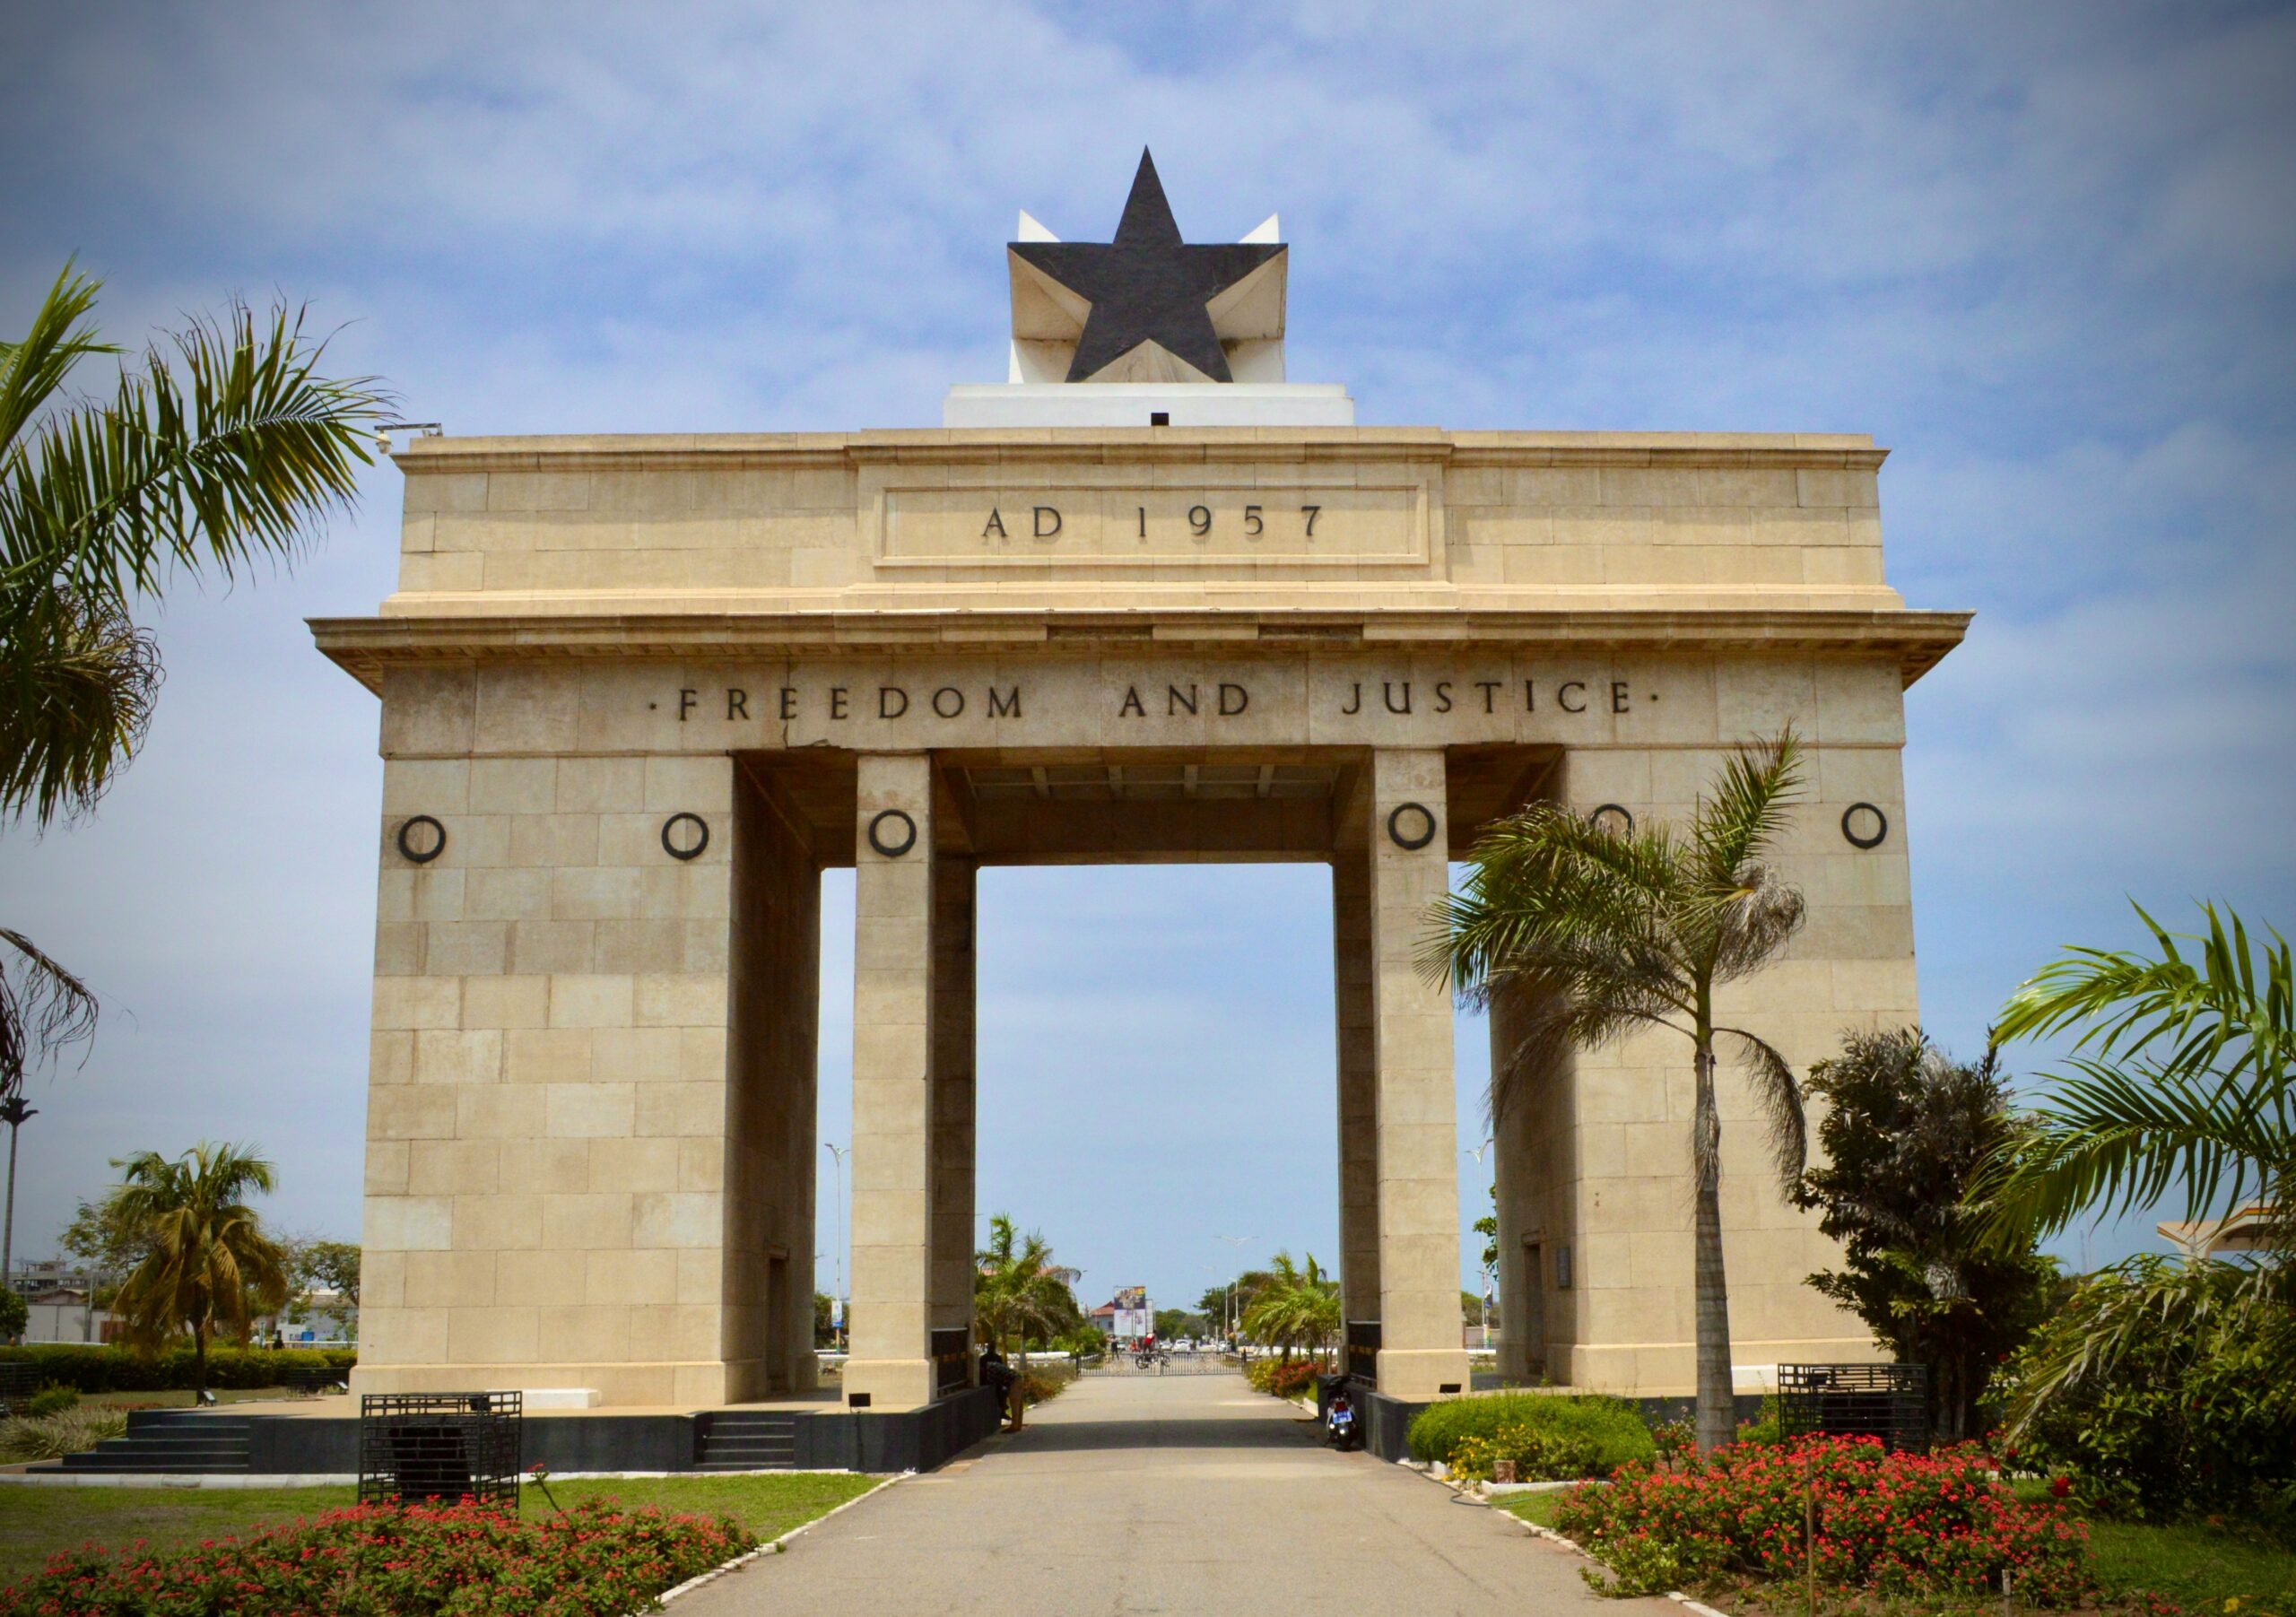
x=1592, y=935
x=235, y=459
x=1018, y=1292
x=1297, y=1307
x=2190, y=1084
x=43, y=1008
x=211, y=1263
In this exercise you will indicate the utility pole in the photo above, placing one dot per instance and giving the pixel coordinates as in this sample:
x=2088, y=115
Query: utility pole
x=14, y=1113
x=836, y=1154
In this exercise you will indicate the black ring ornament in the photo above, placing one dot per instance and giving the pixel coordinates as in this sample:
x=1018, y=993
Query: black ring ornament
x=406, y=847
x=700, y=842
x=1425, y=834
x=1619, y=809
x=900, y=838
x=1881, y=822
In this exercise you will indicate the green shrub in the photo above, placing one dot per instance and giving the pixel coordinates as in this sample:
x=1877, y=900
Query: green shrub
x=2197, y=1416
x=52, y=1401
x=1768, y=1430
x=1040, y=1384
x=116, y=1369
x=1563, y=1434
x=51, y=1436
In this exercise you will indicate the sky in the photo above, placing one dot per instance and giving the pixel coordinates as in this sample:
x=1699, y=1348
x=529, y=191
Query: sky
x=2044, y=253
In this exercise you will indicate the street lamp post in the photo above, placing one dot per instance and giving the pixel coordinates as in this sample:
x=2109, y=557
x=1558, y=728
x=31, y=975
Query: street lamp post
x=1239, y=1242
x=836, y=1154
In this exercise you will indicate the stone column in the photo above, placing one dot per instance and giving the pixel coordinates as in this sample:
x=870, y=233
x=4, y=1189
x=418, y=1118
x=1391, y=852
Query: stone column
x=1420, y=1352
x=952, y=1093
x=892, y=1111
x=1520, y=1316
x=1359, y=1110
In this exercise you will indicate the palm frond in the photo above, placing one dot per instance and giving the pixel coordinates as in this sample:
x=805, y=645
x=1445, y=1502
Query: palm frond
x=2115, y=1138
x=1741, y=819
x=44, y=1008
x=1547, y=880
x=229, y=448
x=1550, y=1022
x=81, y=680
x=2183, y=1016
x=32, y=370
x=1753, y=920
x=1778, y=1097
x=2189, y=1081
x=234, y=459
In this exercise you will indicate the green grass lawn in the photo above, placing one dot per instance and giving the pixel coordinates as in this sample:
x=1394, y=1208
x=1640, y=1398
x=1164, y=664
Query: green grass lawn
x=1536, y=1508
x=35, y=1522
x=2199, y=1568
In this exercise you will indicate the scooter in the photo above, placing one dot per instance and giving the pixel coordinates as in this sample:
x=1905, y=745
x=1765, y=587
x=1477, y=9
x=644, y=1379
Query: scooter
x=1339, y=1424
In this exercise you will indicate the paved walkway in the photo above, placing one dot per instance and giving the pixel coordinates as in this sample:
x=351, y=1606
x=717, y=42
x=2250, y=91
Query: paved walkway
x=1183, y=1494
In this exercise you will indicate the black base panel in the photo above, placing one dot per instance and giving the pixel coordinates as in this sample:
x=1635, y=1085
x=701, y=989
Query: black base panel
x=916, y=1439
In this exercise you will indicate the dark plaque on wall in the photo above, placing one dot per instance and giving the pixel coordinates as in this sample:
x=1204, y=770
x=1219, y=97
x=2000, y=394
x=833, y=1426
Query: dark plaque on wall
x=1411, y=825
x=420, y=840
x=892, y=833
x=1865, y=825
x=684, y=836
x=1614, y=818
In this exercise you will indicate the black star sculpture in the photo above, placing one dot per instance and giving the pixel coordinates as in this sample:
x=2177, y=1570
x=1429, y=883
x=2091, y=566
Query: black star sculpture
x=1147, y=285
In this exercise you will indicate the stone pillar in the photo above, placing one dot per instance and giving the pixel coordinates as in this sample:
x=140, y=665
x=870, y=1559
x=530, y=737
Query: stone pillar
x=548, y=1099
x=892, y=1110
x=952, y=1093
x=1420, y=1352
x=1520, y=1317
x=1358, y=1111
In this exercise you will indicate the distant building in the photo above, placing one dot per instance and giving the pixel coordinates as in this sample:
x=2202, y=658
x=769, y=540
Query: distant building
x=66, y=1314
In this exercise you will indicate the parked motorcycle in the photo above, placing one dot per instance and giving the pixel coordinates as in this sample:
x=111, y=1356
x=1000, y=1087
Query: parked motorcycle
x=1341, y=1428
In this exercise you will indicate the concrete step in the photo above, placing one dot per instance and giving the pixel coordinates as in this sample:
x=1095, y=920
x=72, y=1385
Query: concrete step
x=750, y=1441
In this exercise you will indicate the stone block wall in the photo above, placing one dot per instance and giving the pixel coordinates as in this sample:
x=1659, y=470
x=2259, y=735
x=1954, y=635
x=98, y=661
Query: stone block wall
x=547, y=1093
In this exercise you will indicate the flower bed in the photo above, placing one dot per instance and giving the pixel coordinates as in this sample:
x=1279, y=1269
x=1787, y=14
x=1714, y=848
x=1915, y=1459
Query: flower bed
x=1281, y=1377
x=1893, y=1524
x=1549, y=1437
x=460, y=1561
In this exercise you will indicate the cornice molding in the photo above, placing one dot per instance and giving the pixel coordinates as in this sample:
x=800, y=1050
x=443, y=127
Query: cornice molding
x=366, y=647
x=1135, y=446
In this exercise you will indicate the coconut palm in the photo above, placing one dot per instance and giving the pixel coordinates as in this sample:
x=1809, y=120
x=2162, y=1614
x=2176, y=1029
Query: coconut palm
x=2189, y=1090
x=211, y=1266
x=1591, y=934
x=1018, y=1292
x=1297, y=1308
x=228, y=451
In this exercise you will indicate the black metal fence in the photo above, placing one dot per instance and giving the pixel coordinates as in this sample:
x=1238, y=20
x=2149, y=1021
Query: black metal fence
x=1364, y=1349
x=438, y=1446
x=1886, y=1401
x=19, y=1380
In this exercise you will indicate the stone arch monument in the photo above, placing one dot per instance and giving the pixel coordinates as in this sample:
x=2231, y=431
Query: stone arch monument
x=1147, y=600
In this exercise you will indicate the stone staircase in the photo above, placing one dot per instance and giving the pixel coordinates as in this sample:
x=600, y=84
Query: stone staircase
x=741, y=1440
x=166, y=1440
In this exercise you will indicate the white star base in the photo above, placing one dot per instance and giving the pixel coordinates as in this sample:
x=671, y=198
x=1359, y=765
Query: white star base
x=1135, y=404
